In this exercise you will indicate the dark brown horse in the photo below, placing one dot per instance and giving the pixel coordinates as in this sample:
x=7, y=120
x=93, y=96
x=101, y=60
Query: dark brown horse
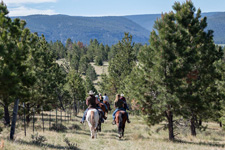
x=99, y=127
x=121, y=118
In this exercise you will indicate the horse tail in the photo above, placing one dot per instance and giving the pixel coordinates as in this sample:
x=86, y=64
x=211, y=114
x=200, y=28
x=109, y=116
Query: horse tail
x=121, y=115
x=92, y=119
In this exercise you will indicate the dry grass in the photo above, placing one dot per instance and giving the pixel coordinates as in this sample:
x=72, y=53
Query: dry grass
x=137, y=137
x=99, y=71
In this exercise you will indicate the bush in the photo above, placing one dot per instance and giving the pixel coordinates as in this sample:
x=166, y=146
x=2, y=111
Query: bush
x=98, y=61
x=70, y=145
x=38, y=139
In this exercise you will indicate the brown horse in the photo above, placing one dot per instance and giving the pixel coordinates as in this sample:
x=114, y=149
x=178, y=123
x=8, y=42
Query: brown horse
x=107, y=104
x=121, y=118
x=102, y=106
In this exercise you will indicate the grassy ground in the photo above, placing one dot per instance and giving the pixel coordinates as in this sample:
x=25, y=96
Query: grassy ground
x=137, y=137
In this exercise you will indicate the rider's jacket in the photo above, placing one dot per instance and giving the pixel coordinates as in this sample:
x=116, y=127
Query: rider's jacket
x=91, y=101
x=119, y=103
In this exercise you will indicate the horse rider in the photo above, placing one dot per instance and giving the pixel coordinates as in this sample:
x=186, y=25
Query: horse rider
x=119, y=104
x=91, y=102
x=106, y=98
x=125, y=102
x=101, y=101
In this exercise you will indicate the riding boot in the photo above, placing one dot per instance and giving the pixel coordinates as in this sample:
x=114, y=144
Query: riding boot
x=128, y=121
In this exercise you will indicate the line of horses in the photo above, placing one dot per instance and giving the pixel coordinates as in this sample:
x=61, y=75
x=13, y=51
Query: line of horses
x=94, y=120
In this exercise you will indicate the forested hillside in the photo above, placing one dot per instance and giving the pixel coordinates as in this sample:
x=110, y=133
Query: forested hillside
x=108, y=30
x=215, y=20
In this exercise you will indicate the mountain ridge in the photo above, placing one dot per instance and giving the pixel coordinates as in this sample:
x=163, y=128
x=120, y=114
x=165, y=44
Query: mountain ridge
x=109, y=29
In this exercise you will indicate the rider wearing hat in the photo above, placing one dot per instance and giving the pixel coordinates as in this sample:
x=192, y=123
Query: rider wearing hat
x=91, y=102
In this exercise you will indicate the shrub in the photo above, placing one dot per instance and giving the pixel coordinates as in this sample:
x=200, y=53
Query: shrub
x=38, y=139
x=70, y=145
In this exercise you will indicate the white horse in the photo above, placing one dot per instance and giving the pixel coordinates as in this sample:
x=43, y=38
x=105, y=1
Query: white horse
x=92, y=119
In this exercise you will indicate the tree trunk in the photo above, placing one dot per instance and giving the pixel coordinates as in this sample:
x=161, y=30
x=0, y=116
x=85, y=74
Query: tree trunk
x=61, y=103
x=193, y=127
x=28, y=114
x=200, y=122
x=169, y=116
x=15, y=110
x=75, y=107
x=6, y=117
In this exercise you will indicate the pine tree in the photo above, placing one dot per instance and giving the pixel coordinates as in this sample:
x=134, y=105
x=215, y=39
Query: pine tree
x=69, y=44
x=15, y=43
x=90, y=85
x=176, y=72
x=200, y=56
x=90, y=73
x=75, y=86
x=83, y=64
x=121, y=65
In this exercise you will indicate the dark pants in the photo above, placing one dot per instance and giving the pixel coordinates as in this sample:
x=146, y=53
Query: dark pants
x=114, y=113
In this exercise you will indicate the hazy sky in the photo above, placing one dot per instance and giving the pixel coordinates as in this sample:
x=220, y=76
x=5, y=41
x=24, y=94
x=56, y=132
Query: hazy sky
x=103, y=7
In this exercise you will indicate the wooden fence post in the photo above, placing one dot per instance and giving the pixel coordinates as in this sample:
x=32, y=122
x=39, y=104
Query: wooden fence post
x=61, y=115
x=56, y=117
x=33, y=119
x=24, y=119
x=43, y=118
x=49, y=120
x=65, y=114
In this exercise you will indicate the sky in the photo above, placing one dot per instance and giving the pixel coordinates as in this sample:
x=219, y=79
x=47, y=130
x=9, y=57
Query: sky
x=103, y=7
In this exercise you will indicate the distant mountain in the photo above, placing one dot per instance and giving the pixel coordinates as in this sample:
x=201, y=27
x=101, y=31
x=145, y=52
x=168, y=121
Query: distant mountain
x=215, y=20
x=146, y=21
x=107, y=30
